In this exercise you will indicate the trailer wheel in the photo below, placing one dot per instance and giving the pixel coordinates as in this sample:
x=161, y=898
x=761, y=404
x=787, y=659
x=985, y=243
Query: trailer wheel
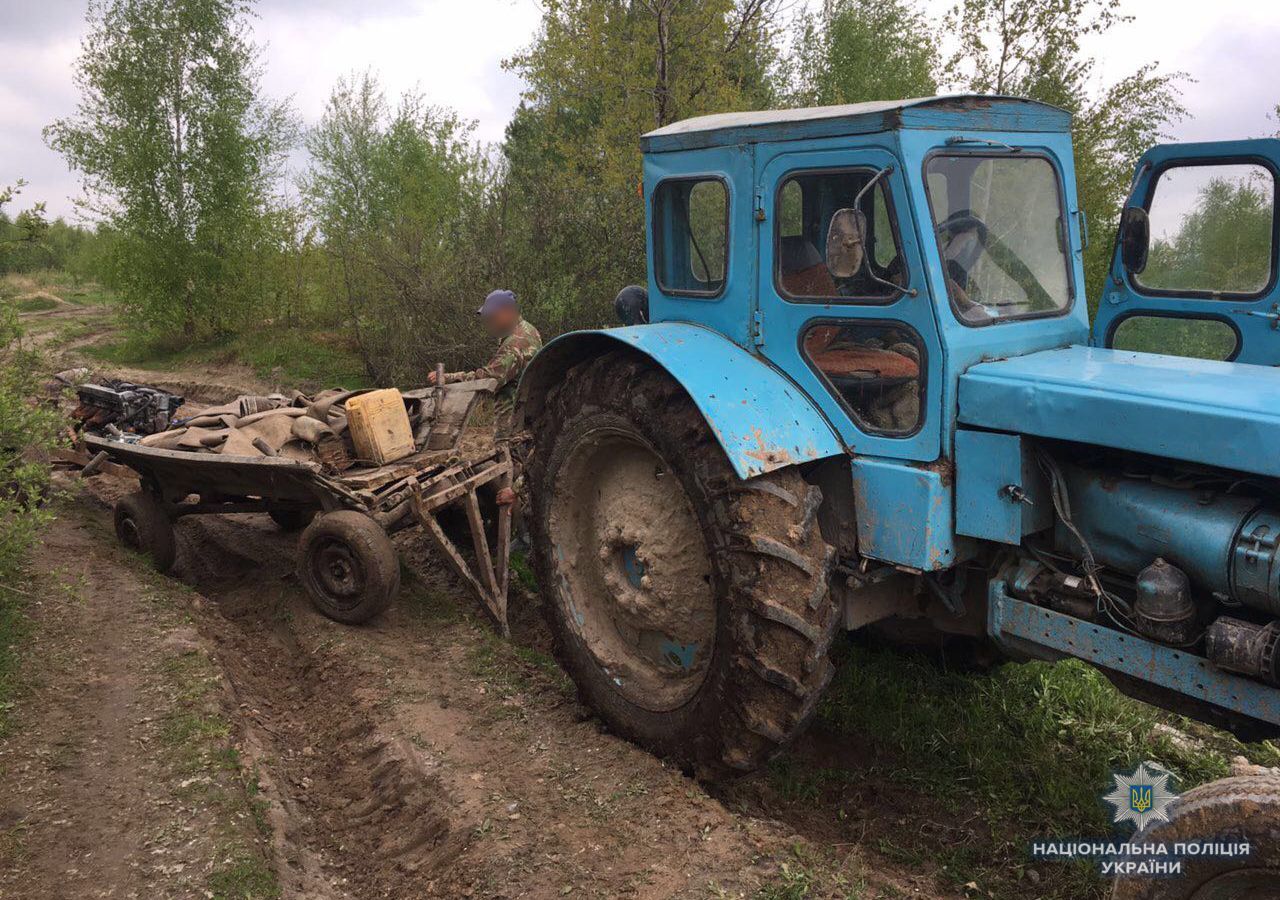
x=691, y=608
x=143, y=525
x=1230, y=810
x=292, y=519
x=348, y=566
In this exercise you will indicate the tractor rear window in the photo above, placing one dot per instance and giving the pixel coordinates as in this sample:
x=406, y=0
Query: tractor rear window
x=691, y=236
x=812, y=209
x=1001, y=229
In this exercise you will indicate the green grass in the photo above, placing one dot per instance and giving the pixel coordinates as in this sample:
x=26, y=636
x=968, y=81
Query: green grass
x=292, y=357
x=523, y=572
x=812, y=873
x=246, y=878
x=14, y=628
x=35, y=304
x=196, y=741
x=1030, y=748
x=510, y=668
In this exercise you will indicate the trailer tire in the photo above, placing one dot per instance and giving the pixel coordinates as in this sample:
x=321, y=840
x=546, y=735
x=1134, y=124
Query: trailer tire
x=1230, y=810
x=143, y=525
x=741, y=566
x=290, y=520
x=348, y=566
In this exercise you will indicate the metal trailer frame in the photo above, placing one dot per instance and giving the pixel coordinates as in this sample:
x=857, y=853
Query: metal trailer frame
x=409, y=492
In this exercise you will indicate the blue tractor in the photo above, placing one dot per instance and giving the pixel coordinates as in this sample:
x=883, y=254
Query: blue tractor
x=867, y=395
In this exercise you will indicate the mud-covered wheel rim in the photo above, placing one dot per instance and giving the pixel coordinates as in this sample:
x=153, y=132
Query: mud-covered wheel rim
x=338, y=572
x=129, y=535
x=635, y=580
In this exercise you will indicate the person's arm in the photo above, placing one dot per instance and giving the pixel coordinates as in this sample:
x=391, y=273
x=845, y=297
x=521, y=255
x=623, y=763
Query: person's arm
x=504, y=368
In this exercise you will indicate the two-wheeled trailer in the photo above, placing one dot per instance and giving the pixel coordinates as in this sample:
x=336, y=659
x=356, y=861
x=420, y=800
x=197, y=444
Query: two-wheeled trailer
x=346, y=562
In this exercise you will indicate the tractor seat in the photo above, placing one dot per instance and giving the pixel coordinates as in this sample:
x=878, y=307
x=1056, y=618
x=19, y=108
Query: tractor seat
x=804, y=274
x=837, y=358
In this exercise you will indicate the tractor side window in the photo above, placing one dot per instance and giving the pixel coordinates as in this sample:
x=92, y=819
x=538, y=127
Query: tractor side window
x=691, y=236
x=875, y=368
x=1211, y=230
x=1176, y=336
x=803, y=269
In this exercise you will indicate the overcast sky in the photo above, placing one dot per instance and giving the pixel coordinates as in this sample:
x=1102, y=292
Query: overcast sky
x=452, y=49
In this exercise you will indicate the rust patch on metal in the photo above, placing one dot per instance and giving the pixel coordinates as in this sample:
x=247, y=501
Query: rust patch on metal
x=945, y=469
x=778, y=457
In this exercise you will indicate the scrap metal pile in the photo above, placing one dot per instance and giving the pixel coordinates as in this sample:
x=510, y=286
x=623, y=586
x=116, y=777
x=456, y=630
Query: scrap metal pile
x=297, y=426
x=125, y=405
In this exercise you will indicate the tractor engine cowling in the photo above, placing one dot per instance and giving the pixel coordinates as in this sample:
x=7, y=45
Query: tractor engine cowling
x=1228, y=545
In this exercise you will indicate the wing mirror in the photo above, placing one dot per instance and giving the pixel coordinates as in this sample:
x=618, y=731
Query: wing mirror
x=1135, y=238
x=846, y=242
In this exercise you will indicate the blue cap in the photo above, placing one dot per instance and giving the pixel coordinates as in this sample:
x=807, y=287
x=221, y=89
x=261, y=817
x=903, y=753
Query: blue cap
x=497, y=300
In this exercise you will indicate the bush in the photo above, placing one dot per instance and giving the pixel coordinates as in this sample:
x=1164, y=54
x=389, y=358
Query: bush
x=28, y=432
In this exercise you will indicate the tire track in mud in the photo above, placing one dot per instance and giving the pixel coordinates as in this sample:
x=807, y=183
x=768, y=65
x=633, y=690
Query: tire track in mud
x=394, y=768
x=355, y=810
x=421, y=756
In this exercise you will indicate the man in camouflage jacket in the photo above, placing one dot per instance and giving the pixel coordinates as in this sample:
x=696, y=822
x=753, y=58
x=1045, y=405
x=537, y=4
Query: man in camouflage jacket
x=518, y=341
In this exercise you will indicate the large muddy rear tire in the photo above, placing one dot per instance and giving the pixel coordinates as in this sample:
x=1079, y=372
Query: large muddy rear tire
x=1238, y=810
x=692, y=609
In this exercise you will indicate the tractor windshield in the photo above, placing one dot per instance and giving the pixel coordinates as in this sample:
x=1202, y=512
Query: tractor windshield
x=1001, y=230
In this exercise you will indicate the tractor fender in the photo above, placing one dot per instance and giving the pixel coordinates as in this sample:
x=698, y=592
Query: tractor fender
x=761, y=419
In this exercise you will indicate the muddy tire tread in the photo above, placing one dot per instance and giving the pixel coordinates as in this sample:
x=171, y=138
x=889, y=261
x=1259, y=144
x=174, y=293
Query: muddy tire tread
x=1241, y=806
x=381, y=563
x=772, y=563
x=154, y=527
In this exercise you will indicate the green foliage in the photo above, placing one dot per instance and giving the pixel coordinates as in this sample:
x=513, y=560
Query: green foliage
x=1032, y=48
x=21, y=237
x=400, y=200
x=178, y=155
x=599, y=74
x=1223, y=243
x=28, y=432
x=858, y=50
x=1198, y=338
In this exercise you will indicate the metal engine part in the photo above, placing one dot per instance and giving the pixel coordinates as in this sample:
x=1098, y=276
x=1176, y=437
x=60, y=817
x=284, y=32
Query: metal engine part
x=1227, y=545
x=1164, y=610
x=126, y=406
x=1240, y=646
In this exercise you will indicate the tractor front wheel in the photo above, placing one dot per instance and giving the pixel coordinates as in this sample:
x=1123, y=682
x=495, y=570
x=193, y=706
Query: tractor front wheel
x=691, y=608
x=1240, y=810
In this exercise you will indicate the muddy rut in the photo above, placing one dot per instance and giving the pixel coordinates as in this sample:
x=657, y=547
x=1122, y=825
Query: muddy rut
x=424, y=757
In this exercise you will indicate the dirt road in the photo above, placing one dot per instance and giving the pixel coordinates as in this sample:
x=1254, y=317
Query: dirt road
x=209, y=735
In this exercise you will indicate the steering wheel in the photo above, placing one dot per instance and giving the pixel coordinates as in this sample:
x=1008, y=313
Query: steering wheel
x=963, y=220
x=959, y=265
